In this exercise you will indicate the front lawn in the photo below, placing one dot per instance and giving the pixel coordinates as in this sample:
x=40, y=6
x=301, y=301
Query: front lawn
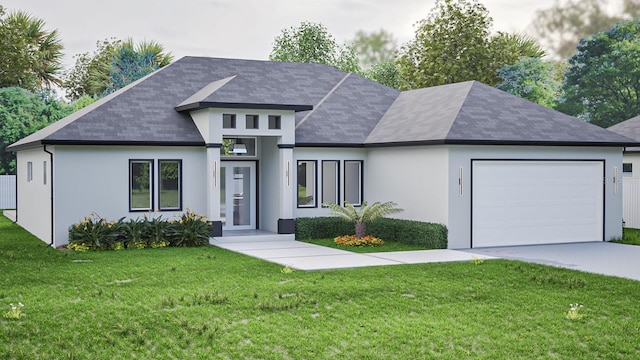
x=209, y=303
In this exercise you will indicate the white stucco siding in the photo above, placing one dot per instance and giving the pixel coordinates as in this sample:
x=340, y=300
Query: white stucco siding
x=460, y=160
x=95, y=179
x=416, y=178
x=269, y=183
x=333, y=154
x=34, y=197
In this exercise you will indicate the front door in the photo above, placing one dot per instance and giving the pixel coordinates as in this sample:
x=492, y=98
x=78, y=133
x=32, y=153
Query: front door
x=238, y=195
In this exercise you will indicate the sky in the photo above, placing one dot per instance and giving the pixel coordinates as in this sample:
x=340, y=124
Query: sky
x=241, y=28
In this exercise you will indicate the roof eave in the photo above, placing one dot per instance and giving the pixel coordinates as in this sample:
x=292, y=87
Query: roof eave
x=223, y=105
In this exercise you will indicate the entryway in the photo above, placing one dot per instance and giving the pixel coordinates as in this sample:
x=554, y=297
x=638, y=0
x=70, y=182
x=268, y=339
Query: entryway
x=238, y=195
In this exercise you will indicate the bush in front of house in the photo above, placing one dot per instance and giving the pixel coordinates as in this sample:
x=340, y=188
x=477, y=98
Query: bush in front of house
x=429, y=235
x=96, y=233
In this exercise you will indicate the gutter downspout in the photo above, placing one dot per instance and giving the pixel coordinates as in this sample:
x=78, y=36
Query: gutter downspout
x=51, y=189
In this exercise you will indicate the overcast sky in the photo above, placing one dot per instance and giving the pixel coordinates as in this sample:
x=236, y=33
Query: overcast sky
x=240, y=28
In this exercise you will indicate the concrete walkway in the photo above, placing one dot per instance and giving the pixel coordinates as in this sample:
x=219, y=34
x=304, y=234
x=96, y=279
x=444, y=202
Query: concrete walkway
x=305, y=256
x=596, y=257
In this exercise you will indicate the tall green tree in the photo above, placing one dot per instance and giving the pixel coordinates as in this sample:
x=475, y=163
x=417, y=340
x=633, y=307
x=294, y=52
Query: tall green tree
x=454, y=43
x=533, y=79
x=31, y=56
x=312, y=43
x=113, y=65
x=602, y=83
x=22, y=113
x=561, y=26
x=386, y=73
x=374, y=47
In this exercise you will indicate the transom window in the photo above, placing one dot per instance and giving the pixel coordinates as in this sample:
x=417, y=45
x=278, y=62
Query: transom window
x=252, y=122
x=239, y=147
x=229, y=121
x=275, y=122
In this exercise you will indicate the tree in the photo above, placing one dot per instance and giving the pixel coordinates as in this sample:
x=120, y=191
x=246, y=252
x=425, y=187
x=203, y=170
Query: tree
x=561, y=26
x=602, y=83
x=386, y=73
x=374, y=47
x=22, y=113
x=31, y=55
x=366, y=213
x=454, y=44
x=533, y=79
x=312, y=43
x=113, y=65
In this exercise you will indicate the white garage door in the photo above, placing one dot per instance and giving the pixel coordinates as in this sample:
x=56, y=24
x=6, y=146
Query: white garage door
x=536, y=202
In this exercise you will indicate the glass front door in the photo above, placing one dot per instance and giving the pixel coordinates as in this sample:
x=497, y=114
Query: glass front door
x=238, y=195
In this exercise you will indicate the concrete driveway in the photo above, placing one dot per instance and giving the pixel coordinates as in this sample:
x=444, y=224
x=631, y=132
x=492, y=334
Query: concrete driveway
x=596, y=257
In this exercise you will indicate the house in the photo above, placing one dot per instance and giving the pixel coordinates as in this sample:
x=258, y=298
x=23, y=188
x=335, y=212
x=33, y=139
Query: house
x=630, y=172
x=257, y=144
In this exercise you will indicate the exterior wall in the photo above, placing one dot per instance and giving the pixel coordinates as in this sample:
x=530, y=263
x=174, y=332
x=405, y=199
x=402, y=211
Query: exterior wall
x=631, y=191
x=34, y=197
x=268, y=185
x=320, y=154
x=416, y=178
x=95, y=179
x=460, y=158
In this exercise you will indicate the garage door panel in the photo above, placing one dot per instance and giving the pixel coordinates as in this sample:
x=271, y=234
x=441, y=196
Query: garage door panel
x=536, y=202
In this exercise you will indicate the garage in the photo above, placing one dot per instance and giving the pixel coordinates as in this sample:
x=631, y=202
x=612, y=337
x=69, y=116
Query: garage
x=529, y=202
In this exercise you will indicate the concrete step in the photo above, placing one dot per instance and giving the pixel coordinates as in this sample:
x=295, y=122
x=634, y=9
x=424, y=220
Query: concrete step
x=242, y=236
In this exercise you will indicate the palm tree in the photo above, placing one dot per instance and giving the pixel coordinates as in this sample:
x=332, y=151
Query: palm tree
x=43, y=48
x=366, y=213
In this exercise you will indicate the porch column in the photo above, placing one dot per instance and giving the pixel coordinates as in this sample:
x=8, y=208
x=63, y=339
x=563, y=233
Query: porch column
x=286, y=223
x=213, y=187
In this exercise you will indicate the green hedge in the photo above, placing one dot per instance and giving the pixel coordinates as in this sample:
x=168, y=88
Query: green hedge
x=429, y=235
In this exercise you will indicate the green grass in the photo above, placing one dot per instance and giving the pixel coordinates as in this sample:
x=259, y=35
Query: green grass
x=630, y=237
x=387, y=246
x=209, y=303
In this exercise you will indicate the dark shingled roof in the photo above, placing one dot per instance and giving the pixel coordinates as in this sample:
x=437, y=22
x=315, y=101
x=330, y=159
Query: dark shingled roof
x=333, y=109
x=629, y=128
x=472, y=112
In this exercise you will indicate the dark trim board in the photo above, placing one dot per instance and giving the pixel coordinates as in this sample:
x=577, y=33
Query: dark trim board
x=604, y=198
x=226, y=105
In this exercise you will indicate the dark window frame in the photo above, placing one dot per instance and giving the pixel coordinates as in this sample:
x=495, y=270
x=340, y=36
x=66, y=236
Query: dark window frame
x=253, y=120
x=275, y=122
x=151, y=183
x=627, y=168
x=232, y=121
x=337, y=180
x=360, y=182
x=179, y=207
x=314, y=203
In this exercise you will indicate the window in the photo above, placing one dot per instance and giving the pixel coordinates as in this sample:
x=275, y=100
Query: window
x=170, y=186
x=140, y=185
x=29, y=171
x=252, y=122
x=627, y=167
x=237, y=147
x=353, y=182
x=306, y=183
x=330, y=182
x=275, y=122
x=44, y=172
x=228, y=121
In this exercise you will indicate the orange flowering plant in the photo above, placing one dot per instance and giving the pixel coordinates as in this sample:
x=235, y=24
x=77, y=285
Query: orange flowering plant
x=352, y=240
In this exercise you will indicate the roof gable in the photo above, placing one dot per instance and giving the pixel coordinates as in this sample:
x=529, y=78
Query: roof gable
x=629, y=128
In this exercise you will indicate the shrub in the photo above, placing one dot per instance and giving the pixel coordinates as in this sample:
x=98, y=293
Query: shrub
x=353, y=240
x=190, y=229
x=429, y=235
x=95, y=233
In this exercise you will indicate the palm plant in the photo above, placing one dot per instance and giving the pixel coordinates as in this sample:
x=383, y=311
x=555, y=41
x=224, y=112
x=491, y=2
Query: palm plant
x=365, y=214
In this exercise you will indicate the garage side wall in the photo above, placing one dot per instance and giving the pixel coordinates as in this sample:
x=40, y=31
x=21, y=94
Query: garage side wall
x=414, y=177
x=460, y=157
x=95, y=179
x=34, y=192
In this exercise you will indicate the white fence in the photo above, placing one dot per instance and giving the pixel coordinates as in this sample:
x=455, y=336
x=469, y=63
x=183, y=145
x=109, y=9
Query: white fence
x=631, y=202
x=7, y=191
